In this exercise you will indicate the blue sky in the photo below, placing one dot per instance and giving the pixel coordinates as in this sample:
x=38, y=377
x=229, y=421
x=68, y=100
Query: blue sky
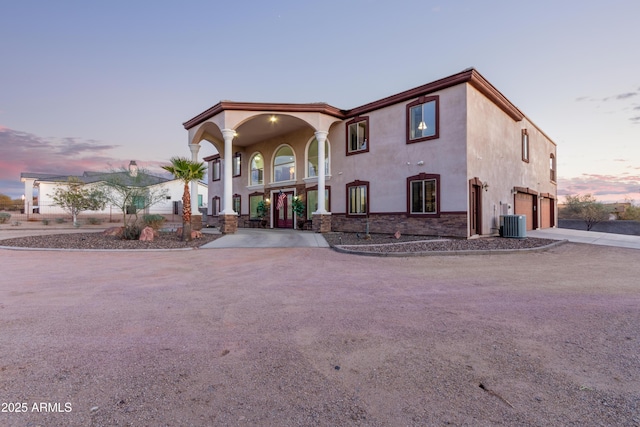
x=88, y=85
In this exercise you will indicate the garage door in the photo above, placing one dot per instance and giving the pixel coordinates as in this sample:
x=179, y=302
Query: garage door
x=545, y=213
x=524, y=206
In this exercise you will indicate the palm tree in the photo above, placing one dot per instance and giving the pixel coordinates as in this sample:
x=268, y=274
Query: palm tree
x=186, y=171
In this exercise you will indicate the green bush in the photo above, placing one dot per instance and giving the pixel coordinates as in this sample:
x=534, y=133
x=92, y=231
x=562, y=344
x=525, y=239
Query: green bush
x=60, y=221
x=154, y=221
x=131, y=232
x=46, y=221
x=4, y=217
x=94, y=221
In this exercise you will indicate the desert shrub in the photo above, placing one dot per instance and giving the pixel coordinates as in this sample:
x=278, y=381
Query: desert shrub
x=131, y=232
x=154, y=221
x=4, y=217
x=60, y=221
x=46, y=221
x=94, y=221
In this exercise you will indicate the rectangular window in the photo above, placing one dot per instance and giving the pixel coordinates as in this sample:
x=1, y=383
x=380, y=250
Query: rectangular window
x=253, y=205
x=236, y=203
x=215, y=205
x=552, y=167
x=215, y=169
x=199, y=200
x=357, y=198
x=423, y=194
x=312, y=201
x=422, y=119
x=358, y=135
x=525, y=146
x=237, y=161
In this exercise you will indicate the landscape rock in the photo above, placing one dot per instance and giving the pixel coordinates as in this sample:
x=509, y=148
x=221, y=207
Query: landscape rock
x=147, y=234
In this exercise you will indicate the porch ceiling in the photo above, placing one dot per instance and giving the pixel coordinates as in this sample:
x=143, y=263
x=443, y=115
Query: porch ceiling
x=261, y=127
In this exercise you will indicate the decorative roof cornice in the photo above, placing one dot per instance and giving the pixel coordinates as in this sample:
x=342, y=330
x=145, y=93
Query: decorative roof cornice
x=469, y=75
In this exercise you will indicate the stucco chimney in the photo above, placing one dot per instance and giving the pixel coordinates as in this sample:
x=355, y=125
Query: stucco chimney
x=133, y=168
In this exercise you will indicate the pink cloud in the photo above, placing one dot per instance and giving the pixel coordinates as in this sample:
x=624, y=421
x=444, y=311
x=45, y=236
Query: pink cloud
x=603, y=187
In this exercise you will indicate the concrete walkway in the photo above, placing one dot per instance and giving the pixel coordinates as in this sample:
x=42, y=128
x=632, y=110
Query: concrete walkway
x=269, y=238
x=591, y=237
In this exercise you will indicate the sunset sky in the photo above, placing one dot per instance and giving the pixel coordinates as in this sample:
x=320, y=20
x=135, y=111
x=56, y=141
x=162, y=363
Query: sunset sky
x=92, y=85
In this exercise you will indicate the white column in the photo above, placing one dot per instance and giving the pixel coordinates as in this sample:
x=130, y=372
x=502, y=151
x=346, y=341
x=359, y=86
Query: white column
x=321, y=137
x=194, y=184
x=227, y=199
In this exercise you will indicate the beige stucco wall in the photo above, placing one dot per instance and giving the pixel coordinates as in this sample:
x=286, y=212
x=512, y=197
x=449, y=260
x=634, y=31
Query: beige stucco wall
x=495, y=156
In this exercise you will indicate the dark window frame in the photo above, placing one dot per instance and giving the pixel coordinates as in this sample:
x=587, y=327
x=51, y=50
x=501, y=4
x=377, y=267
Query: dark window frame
x=215, y=202
x=525, y=146
x=315, y=188
x=237, y=155
x=215, y=162
x=552, y=167
x=420, y=101
x=366, y=136
x=424, y=177
x=256, y=194
x=233, y=203
x=367, y=204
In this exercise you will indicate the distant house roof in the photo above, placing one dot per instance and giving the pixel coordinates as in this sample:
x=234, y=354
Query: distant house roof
x=89, y=177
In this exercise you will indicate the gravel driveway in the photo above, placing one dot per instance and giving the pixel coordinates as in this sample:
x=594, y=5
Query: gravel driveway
x=306, y=337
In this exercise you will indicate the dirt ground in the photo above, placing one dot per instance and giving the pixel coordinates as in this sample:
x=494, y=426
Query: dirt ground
x=306, y=337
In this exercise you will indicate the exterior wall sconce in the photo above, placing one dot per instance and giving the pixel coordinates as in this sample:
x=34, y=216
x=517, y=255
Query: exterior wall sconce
x=421, y=162
x=485, y=186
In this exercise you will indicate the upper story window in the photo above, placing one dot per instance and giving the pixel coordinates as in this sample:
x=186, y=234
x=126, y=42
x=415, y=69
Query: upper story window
x=312, y=158
x=257, y=170
x=358, y=135
x=423, y=119
x=237, y=162
x=358, y=198
x=284, y=164
x=423, y=194
x=215, y=169
x=525, y=146
x=552, y=167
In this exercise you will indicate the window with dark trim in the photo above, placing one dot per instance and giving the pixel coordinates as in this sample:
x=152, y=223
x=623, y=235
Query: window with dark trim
x=237, y=164
x=423, y=117
x=525, y=146
x=552, y=167
x=423, y=195
x=236, y=203
x=254, y=200
x=215, y=169
x=312, y=200
x=358, y=135
x=357, y=198
x=215, y=205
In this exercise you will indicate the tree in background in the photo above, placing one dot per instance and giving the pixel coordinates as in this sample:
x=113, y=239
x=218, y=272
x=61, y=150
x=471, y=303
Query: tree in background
x=631, y=213
x=5, y=202
x=186, y=171
x=75, y=197
x=132, y=191
x=586, y=208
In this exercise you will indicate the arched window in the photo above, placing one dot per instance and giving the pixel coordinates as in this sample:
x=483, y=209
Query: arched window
x=257, y=170
x=312, y=158
x=284, y=164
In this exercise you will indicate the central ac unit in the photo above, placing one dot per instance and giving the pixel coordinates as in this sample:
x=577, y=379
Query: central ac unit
x=514, y=226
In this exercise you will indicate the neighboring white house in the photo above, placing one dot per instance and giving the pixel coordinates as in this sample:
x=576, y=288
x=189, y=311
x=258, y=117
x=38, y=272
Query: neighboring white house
x=447, y=158
x=46, y=184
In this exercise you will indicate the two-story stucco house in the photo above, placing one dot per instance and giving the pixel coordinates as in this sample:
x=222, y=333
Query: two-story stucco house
x=446, y=158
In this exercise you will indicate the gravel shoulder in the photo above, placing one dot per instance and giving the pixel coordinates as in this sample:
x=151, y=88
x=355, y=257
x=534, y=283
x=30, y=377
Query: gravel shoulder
x=298, y=337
